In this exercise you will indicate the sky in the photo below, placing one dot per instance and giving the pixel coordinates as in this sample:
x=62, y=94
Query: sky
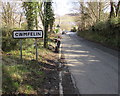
x=63, y=7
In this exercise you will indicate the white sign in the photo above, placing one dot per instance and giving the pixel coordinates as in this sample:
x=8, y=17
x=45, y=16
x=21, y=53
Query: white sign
x=27, y=34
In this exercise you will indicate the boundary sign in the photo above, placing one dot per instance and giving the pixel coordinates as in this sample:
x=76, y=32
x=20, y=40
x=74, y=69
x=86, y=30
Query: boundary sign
x=19, y=34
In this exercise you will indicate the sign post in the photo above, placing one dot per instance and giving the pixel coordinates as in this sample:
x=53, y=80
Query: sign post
x=36, y=49
x=21, y=49
x=21, y=34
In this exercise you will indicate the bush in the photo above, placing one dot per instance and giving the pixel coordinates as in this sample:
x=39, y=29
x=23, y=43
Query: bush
x=106, y=32
x=8, y=43
x=115, y=20
x=73, y=29
x=56, y=30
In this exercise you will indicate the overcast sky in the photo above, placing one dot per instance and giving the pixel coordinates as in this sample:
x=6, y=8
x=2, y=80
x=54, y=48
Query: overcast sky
x=63, y=7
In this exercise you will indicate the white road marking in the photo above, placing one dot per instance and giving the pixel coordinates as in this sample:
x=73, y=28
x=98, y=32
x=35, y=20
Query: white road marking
x=60, y=84
x=60, y=76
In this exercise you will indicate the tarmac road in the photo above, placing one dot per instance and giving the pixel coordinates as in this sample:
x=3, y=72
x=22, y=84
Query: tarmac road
x=94, y=68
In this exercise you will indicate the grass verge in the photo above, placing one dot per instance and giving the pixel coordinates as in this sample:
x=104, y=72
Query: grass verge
x=26, y=76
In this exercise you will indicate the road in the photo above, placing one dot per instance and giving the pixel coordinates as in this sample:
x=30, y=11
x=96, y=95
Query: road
x=93, y=67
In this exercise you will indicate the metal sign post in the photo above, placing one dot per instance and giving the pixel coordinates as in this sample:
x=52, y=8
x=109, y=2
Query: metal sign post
x=36, y=49
x=21, y=49
x=19, y=34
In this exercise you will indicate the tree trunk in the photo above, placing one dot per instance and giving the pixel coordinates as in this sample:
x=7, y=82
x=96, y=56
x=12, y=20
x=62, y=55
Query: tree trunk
x=99, y=11
x=112, y=11
x=118, y=9
x=45, y=35
x=20, y=20
x=45, y=26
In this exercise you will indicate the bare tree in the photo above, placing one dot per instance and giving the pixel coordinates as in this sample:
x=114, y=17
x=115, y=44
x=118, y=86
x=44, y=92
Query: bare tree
x=90, y=13
x=11, y=16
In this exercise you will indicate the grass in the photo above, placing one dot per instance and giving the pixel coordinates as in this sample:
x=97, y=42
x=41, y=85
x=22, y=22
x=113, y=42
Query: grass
x=18, y=76
x=28, y=76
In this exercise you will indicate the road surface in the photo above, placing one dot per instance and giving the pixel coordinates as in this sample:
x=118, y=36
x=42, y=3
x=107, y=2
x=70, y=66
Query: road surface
x=95, y=71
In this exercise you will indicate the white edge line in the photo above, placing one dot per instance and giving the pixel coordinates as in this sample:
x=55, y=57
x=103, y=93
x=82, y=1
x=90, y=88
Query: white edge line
x=60, y=84
x=60, y=76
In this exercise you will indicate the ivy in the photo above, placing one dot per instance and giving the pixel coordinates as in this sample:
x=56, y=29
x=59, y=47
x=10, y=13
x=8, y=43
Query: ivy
x=30, y=13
